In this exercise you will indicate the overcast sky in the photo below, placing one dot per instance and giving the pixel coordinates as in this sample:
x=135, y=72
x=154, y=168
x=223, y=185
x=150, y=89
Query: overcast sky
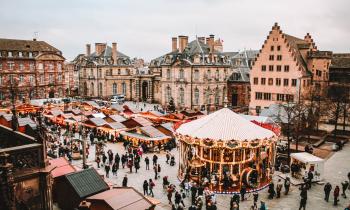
x=144, y=28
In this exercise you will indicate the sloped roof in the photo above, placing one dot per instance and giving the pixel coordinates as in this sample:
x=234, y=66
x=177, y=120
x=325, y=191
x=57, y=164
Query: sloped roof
x=8, y=117
x=260, y=119
x=340, y=60
x=86, y=182
x=116, y=125
x=125, y=198
x=226, y=125
x=92, y=103
x=142, y=121
x=117, y=107
x=98, y=121
x=276, y=112
x=99, y=115
x=168, y=126
x=117, y=118
x=152, y=132
x=62, y=167
x=26, y=45
x=26, y=121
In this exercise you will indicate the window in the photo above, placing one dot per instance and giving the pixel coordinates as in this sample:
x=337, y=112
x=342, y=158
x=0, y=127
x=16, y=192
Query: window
x=279, y=68
x=118, y=71
x=285, y=82
x=256, y=80
x=278, y=48
x=9, y=54
x=278, y=81
x=181, y=74
x=168, y=75
x=21, y=78
x=51, y=78
x=31, y=66
x=270, y=67
x=280, y=97
x=258, y=95
x=294, y=82
x=42, y=78
x=50, y=66
x=168, y=93
x=217, y=75
x=267, y=96
x=217, y=96
x=100, y=90
x=114, y=89
x=31, y=79
x=124, y=88
x=263, y=81
x=289, y=97
x=196, y=75
x=272, y=57
x=263, y=68
x=0, y=66
x=21, y=66
x=59, y=77
x=182, y=96
x=11, y=78
x=30, y=54
x=196, y=96
x=20, y=54
x=10, y=65
x=272, y=48
x=279, y=57
x=318, y=73
x=40, y=66
x=59, y=67
x=286, y=68
x=100, y=73
x=270, y=81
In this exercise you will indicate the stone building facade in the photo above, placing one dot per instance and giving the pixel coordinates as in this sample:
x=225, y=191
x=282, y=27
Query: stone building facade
x=36, y=65
x=107, y=72
x=71, y=79
x=286, y=68
x=238, y=84
x=194, y=73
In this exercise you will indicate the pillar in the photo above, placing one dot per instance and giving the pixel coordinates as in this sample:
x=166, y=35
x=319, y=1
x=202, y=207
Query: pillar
x=138, y=95
x=150, y=91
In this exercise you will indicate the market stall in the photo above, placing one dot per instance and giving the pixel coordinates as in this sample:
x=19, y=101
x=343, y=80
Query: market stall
x=307, y=162
x=234, y=152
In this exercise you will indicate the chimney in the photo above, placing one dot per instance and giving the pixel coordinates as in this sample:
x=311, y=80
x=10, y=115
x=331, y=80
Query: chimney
x=114, y=52
x=173, y=44
x=183, y=41
x=88, y=50
x=99, y=48
x=211, y=46
x=201, y=39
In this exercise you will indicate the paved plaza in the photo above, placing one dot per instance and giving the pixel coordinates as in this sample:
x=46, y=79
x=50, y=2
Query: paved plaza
x=336, y=169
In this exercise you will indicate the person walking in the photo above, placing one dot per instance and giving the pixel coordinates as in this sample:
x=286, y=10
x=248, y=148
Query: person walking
x=123, y=159
x=286, y=185
x=279, y=188
x=303, y=196
x=137, y=165
x=147, y=163
x=167, y=157
x=170, y=193
x=155, y=159
x=107, y=168
x=125, y=181
x=327, y=190
x=98, y=160
x=151, y=186
x=155, y=169
x=243, y=191
x=145, y=187
x=271, y=190
x=117, y=160
x=114, y=169
x=193, y=193
x=255, y=199
x=336, y=195
x=104, y=158
x=310, y=177
x=344, y=185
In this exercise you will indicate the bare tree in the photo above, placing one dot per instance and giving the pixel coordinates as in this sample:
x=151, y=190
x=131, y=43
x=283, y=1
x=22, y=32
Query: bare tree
x=338, y=101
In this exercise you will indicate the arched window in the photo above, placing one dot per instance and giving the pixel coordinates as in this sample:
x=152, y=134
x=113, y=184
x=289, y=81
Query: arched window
x=92, y=87
x=123, y=88
x=196, y=96
x=168, y=93
x=100, y=89
x=182, y=96
x=114, y=89
x=182, y=74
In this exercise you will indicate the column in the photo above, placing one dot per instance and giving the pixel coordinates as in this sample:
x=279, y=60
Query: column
x=137, y=82
x=150, y=91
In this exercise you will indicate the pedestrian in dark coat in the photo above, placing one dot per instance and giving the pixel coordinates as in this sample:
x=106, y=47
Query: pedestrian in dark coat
x=125, y=181
x=345, y=185
x=117, y=160
x=286, y=185
x=327, y=190
x=107, y=168
x=336, y=195
x=147, y=163
x=145, y=187
x=303, y=196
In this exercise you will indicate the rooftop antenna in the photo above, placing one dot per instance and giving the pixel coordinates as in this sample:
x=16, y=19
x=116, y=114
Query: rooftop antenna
x=36, y=34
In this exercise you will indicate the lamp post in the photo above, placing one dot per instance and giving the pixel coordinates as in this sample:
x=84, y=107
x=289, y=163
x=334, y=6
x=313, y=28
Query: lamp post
x=13, y=82
x=83, y=139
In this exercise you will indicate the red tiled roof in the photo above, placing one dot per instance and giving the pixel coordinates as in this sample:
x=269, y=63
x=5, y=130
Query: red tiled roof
x=62, y=165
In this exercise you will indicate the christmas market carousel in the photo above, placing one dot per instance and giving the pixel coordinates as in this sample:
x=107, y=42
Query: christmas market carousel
x=225, y=152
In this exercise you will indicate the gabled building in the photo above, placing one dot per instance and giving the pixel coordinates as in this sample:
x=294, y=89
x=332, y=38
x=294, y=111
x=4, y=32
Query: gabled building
x=286, y=68
x=194, y=73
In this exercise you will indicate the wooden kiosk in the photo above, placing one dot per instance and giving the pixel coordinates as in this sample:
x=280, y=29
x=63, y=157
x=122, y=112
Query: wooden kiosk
x=224, y=151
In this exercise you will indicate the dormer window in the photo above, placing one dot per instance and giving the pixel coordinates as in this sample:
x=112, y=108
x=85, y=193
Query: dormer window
x=9, y=54
x=20, y=54
x=30, y=54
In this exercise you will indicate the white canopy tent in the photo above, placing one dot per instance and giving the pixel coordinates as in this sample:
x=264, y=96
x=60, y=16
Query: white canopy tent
x=311, y=163
x=226, y=125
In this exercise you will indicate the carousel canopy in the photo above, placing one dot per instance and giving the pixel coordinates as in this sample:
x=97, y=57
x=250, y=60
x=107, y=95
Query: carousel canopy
x=224, y=124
